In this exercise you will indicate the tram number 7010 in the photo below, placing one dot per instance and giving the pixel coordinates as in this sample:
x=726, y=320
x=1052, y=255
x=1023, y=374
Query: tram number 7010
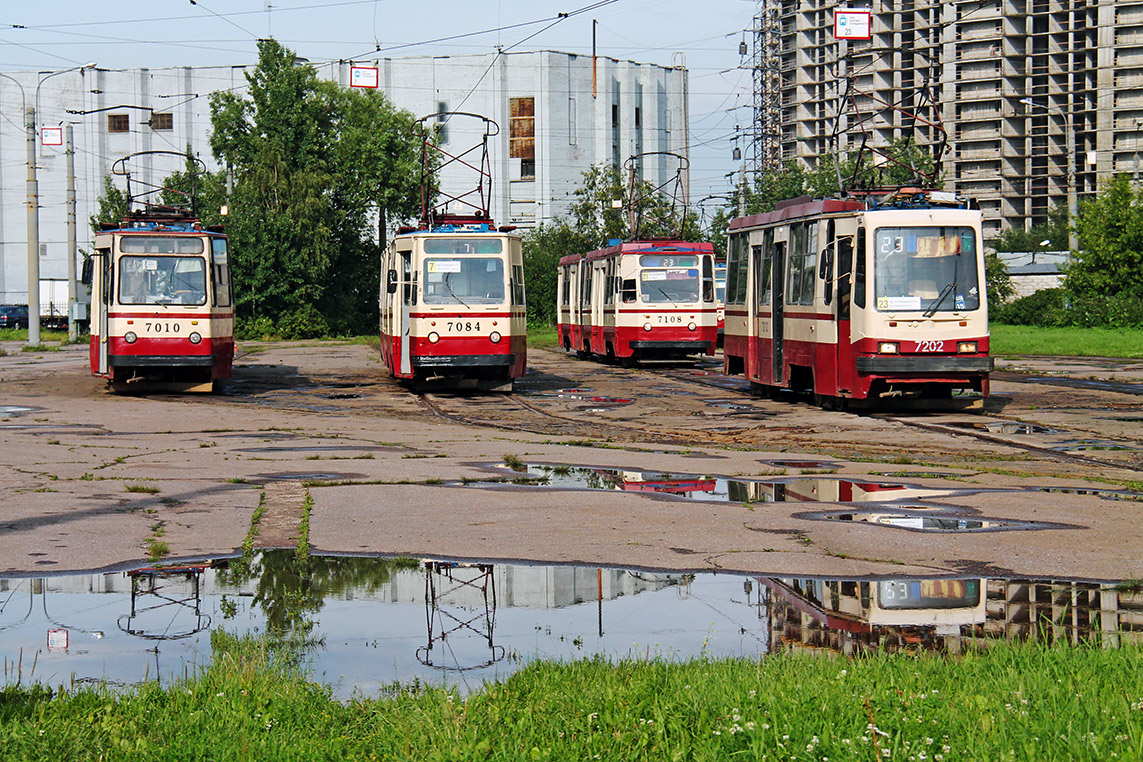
x=463, y=325
x=161, y=327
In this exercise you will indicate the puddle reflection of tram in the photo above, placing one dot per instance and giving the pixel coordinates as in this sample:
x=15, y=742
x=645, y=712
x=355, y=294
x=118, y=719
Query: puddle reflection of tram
x=460, y=614
x=851, y=616
x=829, y=490
x=166, y=603
x=634, y=481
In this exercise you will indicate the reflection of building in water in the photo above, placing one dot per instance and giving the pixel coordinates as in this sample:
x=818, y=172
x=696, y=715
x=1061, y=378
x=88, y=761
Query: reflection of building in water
x=852, y=616
x=828, y=490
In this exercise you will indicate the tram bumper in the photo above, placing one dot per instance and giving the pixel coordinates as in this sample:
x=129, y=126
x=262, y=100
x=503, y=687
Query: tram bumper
x=644, y=348
x=443, y=362
x=909, y=365
x=160, y=361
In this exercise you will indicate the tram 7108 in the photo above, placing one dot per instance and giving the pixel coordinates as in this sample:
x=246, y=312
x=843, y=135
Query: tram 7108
x=861, y=302
x=639, y=300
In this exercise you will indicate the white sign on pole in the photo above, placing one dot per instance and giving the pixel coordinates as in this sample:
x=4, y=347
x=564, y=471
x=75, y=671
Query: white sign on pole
x=364, y=76
x=51, y=136
x=852, y=24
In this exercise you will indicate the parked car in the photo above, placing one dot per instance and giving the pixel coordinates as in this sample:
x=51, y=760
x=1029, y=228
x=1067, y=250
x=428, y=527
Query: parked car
x=13, y=316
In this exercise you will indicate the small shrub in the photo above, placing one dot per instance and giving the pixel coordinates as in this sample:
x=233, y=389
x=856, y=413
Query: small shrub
x=1043, y=308
x=303, y=323
x=256, y=329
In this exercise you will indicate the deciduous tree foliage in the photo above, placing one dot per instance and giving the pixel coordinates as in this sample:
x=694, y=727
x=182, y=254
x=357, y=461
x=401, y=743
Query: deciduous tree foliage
x=313, y=165
x=1110, y=232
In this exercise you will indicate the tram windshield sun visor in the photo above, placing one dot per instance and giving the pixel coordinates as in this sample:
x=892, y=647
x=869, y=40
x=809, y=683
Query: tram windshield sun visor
x=464, y=280
x=162, y=280
x=925, y=268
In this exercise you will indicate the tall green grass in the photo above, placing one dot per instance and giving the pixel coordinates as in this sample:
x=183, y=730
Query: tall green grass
x=1015, y=340
x=1013, y=701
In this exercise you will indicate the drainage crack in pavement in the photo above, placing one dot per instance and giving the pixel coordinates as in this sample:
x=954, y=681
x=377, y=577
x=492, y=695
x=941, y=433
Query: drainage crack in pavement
x=282, y=516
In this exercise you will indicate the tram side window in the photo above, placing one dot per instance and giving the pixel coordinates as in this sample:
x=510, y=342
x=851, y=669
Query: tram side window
x=764, y=261
x=408, y=278
x=859, y=271
x=220, y=270
x=565, y=288
x=794, y=266
x=707, y=279
x=737, y=264
x=518, y=296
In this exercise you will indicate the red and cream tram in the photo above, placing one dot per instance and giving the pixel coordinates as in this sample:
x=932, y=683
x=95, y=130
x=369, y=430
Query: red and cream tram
x=452, y=306
x=860, y=302
x=639, y=300
x=162, y=312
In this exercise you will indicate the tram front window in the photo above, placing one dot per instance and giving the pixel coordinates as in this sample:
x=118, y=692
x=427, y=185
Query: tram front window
x=925, y=269
x=162, y=280
x=668, y=278
x=464, y=280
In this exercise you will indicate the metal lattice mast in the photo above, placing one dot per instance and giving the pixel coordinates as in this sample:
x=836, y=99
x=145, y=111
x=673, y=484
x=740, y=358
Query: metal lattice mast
x=766, y=132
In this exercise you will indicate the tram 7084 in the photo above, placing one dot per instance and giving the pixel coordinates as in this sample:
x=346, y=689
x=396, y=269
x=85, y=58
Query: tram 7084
x=452, y=306
x=861, y=302
x=639, y=300
x=162, y=311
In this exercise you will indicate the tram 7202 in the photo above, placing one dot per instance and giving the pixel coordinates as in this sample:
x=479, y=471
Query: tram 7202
x=861, y=302
x=639, y=300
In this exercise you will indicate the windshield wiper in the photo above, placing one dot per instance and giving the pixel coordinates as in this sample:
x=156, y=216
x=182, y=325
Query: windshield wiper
x=453, y=293
x=950, y=288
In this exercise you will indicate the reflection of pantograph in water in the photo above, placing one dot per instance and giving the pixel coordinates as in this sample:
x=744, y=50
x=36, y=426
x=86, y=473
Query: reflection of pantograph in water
x=446, y=585
x=57, y=637
x=157, y=590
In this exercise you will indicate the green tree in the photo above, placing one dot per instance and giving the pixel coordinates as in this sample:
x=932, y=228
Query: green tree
x=865, y=169
x=602, y=210
x=543, y=248
x=1110, y=232
x=112, y=206
x=1054, y=230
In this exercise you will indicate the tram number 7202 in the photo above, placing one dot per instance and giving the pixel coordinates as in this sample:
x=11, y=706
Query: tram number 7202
x=162, y=327
x=930, y=345
x=462, y=325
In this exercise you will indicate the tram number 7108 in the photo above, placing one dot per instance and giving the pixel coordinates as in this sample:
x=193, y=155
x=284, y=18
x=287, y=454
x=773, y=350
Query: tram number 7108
x=463, y=325
x=670, y=318
x=161, y=327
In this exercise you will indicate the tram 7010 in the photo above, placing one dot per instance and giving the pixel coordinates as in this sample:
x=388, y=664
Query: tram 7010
x=639, y=300
x=162, y=310
x=452, y=307
x=861, y=302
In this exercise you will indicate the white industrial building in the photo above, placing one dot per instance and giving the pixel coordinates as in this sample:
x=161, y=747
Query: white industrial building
x=558, y=114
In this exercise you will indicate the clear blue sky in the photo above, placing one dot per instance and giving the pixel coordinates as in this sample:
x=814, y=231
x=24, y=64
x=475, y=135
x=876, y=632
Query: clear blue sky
x=57, y=34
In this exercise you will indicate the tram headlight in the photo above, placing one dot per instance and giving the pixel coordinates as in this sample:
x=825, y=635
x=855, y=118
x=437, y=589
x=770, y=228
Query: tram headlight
x=434, y=337
x=888, y=348
x=691, y=326
x=966, y=347
x=495, y=337
x=130, y=337
x=195, y=337
x=646, y=326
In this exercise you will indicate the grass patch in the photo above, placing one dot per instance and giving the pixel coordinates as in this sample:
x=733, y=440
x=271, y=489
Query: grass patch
x=145, y=489
x=1026, y=701
x=542, y=337
x=1017, y=340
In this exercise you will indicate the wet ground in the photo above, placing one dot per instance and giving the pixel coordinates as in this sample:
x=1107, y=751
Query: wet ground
x=1043, y=483
x=361, y=624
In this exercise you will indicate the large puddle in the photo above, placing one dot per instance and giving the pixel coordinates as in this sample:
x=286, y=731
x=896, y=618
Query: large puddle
x=363, y=623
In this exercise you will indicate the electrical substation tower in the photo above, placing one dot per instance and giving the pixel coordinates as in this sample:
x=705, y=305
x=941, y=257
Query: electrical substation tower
x=765, y=63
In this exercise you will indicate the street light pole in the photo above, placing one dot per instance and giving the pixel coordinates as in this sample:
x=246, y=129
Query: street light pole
x=1070, y=147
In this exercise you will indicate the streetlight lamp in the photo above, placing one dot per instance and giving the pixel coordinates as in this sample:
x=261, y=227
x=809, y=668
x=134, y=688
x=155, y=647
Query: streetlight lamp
x=1070, y=147
x=33, y=202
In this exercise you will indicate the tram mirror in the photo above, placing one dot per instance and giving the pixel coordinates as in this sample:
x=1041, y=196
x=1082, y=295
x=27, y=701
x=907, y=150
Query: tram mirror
x=88, y=269
x=391, y=282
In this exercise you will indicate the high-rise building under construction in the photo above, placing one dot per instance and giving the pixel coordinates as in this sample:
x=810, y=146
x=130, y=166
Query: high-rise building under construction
x=1039, y=100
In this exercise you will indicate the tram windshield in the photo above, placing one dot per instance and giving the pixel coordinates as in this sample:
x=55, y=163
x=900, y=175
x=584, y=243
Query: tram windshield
x=926, y=269
x=162, y=280
x=668, y=278
x=928, y=593
x=464, y=280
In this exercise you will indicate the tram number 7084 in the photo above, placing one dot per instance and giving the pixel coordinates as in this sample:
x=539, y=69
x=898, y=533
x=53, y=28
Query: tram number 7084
x=462, y=325
x=161, y=327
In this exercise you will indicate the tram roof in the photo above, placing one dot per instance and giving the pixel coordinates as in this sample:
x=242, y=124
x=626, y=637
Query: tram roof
x=900, y=198
x=797, y=210
x=653, y=246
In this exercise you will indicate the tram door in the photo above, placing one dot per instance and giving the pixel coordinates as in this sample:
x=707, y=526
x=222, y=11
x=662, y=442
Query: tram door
x=101, y=296
x=778, y=296
x=585, y=305
x=408, y=297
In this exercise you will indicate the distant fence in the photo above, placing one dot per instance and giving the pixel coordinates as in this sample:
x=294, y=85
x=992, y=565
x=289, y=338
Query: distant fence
x=1033, y=271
